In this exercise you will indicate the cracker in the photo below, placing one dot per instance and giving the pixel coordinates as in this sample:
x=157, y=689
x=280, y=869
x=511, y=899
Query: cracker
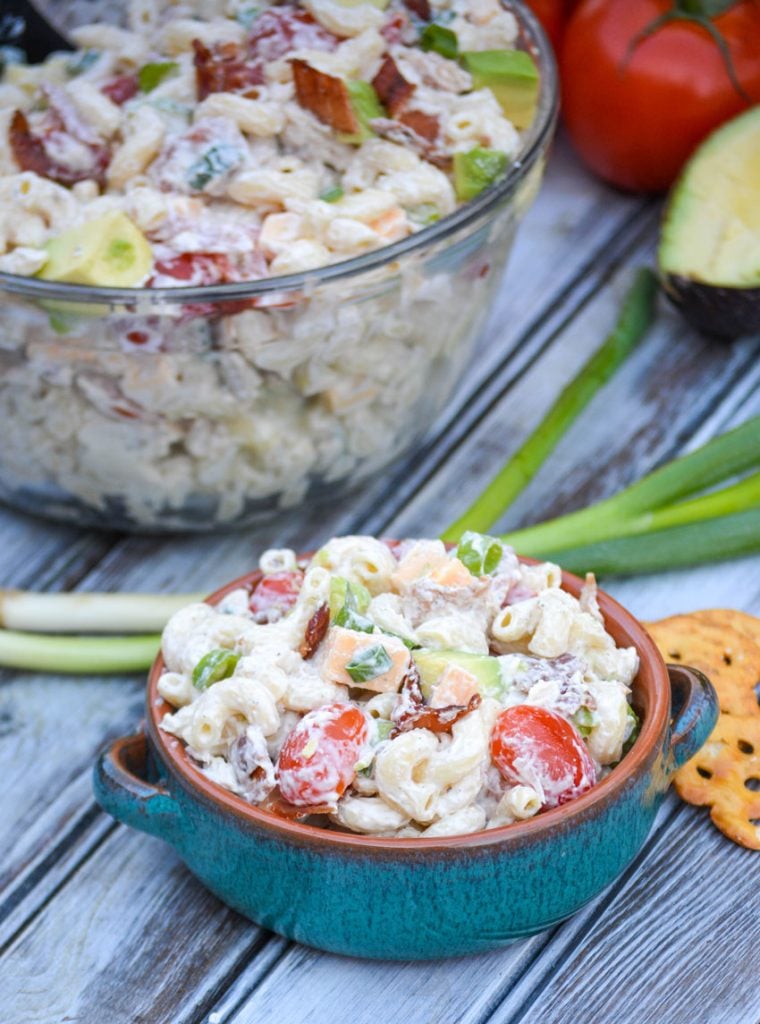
x=728, y=657
x=725, y=773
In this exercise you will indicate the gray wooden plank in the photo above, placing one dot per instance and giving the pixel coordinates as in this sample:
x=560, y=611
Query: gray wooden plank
x=681, y=943
x=133, y=938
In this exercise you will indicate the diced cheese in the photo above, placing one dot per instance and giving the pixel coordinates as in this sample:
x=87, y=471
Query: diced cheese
x=455, y=686
x=452, y=574
x=343, y=645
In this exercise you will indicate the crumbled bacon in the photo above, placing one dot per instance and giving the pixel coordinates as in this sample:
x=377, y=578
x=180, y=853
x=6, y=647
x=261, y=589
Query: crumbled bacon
x=276, y=803
x=404, y=135
x=325, y=96
x=120, y=90
x=30, y=154
x=282, y=30
x=316, y=628
x=394, y=28
x=224, y=69
x=419, y=7
x=411, y=711
x=392, y=88
x=427, y=126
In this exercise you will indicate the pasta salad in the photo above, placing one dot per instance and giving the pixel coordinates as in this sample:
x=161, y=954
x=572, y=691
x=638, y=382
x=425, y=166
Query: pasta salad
x=228, y=142
x=400, y=688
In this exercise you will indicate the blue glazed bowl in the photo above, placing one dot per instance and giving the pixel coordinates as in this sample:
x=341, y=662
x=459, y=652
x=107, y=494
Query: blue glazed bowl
x=411, y=898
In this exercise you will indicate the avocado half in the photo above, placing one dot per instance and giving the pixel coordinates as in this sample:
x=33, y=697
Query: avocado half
x=709, y=254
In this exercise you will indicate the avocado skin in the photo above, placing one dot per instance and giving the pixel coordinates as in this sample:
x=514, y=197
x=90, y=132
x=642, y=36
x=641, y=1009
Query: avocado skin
x=715, y=310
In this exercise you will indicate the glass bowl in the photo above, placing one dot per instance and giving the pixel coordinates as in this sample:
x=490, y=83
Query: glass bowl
x=201, y=407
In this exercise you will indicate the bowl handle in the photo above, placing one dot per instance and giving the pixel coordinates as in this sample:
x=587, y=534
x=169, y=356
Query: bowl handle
x=694, y=712
x=122, y=788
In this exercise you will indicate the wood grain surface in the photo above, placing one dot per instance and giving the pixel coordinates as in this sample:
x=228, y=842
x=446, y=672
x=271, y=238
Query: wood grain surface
x=100, y=925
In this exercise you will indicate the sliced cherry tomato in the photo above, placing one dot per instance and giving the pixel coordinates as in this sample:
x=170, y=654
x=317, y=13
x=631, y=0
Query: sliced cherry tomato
x=121, y=89
x=317, y=761
x=535, y=747
x=275, y=595
x=635, y=105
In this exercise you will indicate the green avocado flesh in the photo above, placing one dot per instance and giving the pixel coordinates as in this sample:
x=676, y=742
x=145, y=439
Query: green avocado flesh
x=711, y=232
x=512, y=76
x=110, y=252
x=431, y=665
x=366, y=107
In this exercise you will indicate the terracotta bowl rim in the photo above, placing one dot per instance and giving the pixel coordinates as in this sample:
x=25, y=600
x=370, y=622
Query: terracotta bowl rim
x=652, y=677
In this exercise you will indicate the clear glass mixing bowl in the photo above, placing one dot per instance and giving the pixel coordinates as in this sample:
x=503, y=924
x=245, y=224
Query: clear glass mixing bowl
x=194, y=408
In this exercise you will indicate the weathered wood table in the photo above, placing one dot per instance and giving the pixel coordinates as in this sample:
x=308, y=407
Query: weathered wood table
x=100, y=925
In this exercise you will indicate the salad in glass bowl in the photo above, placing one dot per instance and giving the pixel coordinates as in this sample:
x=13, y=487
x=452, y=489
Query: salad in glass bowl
x=246, y=251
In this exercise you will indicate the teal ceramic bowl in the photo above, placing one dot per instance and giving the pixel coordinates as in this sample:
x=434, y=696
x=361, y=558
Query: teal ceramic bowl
x=414, y=899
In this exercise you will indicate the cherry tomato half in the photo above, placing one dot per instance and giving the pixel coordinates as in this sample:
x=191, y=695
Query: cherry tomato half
x=275, y=595
x=552, y=14
x=317, y=761
x=535, y=747
x=635, y=117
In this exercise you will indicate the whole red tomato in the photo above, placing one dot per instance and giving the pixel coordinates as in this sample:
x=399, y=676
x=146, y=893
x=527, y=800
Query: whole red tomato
x=552, y=14
x=635, y=115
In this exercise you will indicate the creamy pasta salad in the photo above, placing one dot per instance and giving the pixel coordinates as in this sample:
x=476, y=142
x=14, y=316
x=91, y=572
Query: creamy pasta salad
x=225, y=141
x=228, y=142
x=400, y=688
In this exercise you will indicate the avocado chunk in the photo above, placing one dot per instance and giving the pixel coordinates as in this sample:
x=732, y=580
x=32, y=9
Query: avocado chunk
x=431, y=665
x=110, y=252
x=709, y=253
x=366, y=106
x=476, y=169
x=512, y=76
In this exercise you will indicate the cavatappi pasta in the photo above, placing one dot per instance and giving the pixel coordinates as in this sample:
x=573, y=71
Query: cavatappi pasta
x=400, y=689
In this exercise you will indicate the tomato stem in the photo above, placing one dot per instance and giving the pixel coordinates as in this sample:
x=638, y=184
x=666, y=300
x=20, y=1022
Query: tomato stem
x=698, y=12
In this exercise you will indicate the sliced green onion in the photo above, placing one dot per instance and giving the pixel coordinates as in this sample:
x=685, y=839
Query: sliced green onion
x=384, y=729
x=369, y=663
x=635, y=509
x=152, y=75
x=89, y=613
x=694, y=543
x=632, y=727
x=441, y=40
x=584, y=720
x=74, y=655
x=635, y=317
x=332, y=195
x=82, y=62
x=213, y=667
x=480, y=553
x=348, y=618
x=215, y=163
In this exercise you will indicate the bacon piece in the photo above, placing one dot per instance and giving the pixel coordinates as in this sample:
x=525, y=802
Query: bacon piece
x=427, y=126
x=276, y=803
x=419, y=7
x=120, y=90
x=392, y=88
x=224, y=69
x=394, y=28
x=412, y=712
x=30, y=154
x=279, y=31
x=404, y=135
x=316, y=628
x=325, y=96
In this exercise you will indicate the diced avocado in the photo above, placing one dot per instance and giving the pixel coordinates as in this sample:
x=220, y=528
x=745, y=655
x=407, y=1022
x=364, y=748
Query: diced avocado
x=512, y=76
x=366, y=107
x=476, y=169
x=431, y=665
x=110, y=252
x=709, y=252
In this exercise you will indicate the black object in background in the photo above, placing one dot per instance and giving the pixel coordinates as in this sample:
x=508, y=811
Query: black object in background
x=22, y=26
